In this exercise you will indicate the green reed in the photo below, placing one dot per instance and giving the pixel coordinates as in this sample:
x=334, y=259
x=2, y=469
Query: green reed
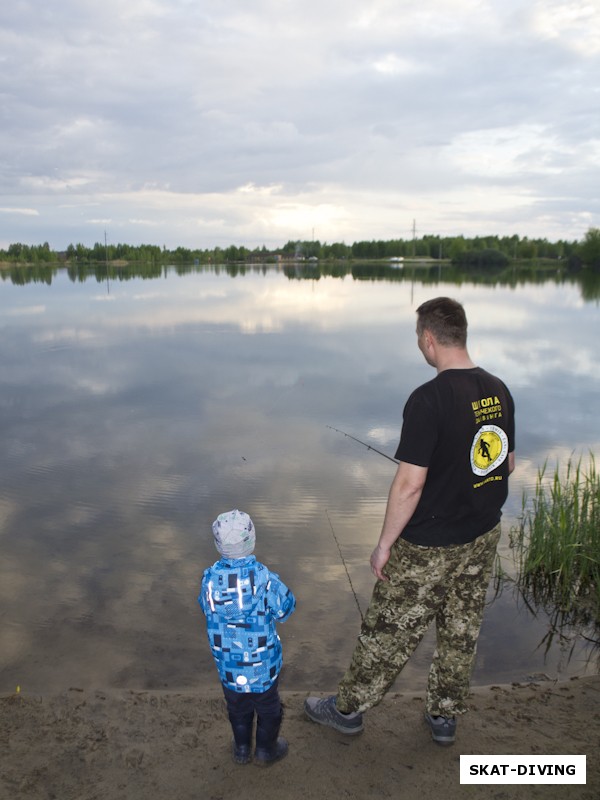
x=557, y=543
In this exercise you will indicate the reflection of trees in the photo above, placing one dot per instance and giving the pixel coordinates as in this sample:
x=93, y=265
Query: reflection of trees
x=425, y=273
x=590, y=285
x=79, y=273
x=19, y=276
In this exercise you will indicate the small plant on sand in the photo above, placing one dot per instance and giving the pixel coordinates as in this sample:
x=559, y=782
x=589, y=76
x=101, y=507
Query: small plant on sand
x=557, y=545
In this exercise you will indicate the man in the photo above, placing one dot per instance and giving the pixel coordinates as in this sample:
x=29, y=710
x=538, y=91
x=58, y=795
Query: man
x=437, y=546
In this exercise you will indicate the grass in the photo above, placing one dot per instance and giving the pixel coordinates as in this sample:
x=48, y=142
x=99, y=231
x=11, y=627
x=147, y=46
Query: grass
x=557, y=546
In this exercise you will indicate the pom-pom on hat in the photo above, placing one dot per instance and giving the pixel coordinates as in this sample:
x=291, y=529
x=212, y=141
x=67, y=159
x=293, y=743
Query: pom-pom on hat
x=234, y=534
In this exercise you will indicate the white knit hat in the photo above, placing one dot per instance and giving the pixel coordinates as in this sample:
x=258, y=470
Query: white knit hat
x=234, y=534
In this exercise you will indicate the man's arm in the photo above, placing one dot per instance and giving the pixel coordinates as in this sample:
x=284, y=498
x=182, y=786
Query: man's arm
x=511, y=462
x=403, y=498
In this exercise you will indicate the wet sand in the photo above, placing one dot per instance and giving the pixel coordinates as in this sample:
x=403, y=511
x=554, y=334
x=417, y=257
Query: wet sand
x=169, y=745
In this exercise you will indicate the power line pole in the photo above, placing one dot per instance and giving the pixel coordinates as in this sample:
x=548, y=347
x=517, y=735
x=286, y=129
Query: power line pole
x=414, y=237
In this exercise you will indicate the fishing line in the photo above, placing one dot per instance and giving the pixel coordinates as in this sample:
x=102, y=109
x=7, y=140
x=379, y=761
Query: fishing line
x=364, y=444
x=345, y=567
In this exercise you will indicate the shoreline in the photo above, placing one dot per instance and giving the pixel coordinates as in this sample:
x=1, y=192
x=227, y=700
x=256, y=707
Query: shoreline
x=124, y=744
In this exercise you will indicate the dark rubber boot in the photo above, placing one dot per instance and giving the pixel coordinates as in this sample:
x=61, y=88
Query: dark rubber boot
x=242, y=738
x=270, y=747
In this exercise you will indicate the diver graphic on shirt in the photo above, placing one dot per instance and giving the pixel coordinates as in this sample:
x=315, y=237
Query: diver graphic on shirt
x=489, y=449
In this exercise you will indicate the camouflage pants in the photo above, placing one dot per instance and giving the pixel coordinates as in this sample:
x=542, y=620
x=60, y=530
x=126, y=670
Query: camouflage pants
x=447, y=584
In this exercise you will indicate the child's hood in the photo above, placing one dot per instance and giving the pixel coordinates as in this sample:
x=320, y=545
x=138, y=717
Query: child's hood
x=234, y=588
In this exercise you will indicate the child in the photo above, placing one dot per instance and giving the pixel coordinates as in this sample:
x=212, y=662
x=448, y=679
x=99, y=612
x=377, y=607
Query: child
x=242, y=601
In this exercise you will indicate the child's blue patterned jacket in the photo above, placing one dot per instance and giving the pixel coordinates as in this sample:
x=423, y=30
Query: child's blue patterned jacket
x=242, y=601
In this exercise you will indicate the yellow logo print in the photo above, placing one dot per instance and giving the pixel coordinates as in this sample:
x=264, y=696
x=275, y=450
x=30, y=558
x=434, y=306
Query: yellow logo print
x=489, y=449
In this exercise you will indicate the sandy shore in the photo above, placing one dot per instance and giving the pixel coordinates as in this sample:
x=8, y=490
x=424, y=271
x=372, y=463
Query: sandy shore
x=136, y=745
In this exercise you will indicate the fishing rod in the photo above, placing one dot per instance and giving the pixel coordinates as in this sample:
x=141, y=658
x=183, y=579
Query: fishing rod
x=345, y=567
x=364, y=444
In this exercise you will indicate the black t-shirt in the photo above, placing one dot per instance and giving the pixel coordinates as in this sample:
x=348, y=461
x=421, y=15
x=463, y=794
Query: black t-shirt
x=461, y=426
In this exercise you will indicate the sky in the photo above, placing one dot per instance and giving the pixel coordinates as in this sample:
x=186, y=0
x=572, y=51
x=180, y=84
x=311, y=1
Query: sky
x=255, y=122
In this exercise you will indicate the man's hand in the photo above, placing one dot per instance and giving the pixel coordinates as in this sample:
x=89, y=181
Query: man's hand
x=379, y=558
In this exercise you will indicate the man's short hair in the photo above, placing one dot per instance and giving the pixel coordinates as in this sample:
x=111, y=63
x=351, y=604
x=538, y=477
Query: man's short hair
x=446, y=319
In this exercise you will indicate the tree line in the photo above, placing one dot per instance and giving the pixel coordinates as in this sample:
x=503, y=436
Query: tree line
x=460, y=250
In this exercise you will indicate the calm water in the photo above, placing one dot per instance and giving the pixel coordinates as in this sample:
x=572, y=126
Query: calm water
x=135, y=411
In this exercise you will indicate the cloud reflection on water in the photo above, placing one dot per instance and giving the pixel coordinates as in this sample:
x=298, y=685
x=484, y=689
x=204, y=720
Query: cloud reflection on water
x=169, y=405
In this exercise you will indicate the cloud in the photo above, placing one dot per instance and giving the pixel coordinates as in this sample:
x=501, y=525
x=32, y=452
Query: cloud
x=27, y=212
x=25, y=311
x=576, y=24
x=346, y=119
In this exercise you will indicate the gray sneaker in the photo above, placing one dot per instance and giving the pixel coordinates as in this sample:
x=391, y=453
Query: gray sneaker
x=443, y=729
x=324, y=711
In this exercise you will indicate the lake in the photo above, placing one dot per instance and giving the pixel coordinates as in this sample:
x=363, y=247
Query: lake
x=135, y=409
